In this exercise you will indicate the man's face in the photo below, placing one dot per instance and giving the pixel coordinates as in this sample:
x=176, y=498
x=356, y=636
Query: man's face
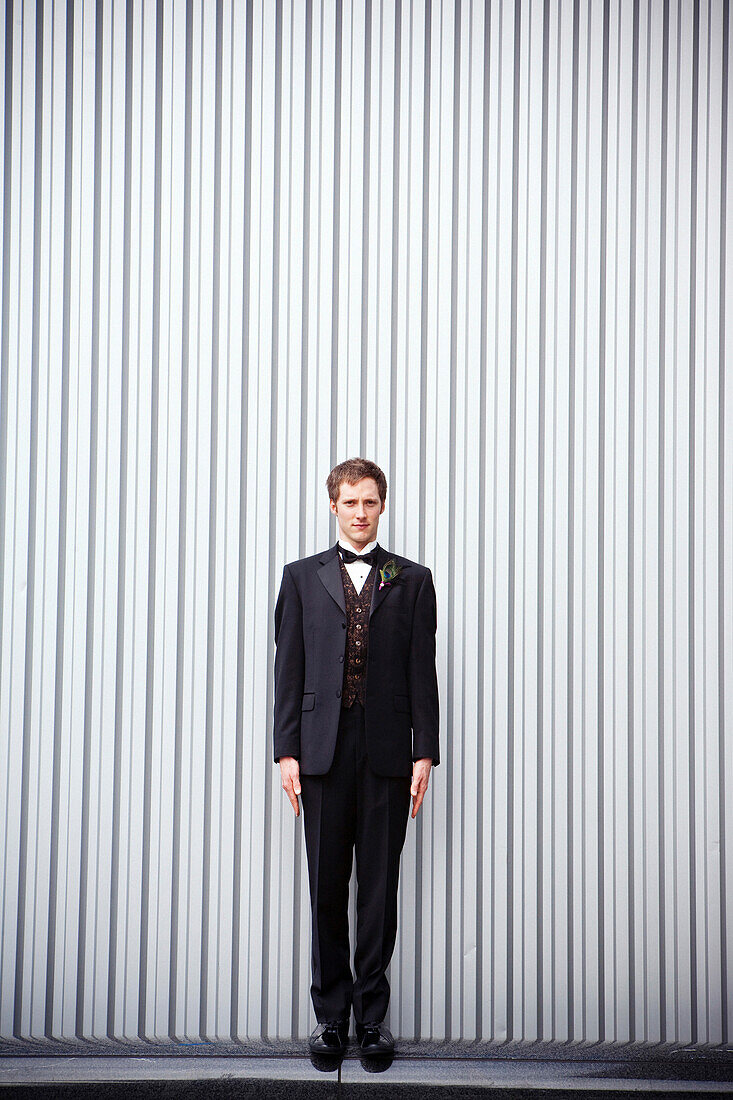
x=357, y=510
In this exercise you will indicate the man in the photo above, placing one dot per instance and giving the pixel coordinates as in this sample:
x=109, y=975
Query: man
x=356, y=734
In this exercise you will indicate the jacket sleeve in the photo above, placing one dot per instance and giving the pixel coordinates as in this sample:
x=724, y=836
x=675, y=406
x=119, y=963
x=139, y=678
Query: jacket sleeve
x=289, y=668
x=423, y=676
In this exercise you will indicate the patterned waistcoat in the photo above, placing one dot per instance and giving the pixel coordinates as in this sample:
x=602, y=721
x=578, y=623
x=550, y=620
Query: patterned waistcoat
x=357, y=637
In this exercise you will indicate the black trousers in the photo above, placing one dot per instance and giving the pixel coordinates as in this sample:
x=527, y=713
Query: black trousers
x=353, y=809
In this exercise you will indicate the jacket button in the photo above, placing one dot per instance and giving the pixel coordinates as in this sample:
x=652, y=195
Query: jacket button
x=344, y=625
x=341, y=658
x=338, y=693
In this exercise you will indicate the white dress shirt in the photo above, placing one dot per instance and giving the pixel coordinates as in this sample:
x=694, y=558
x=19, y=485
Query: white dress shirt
x=358, y=570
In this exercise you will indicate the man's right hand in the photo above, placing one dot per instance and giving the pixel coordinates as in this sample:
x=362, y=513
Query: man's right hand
x=290, y=774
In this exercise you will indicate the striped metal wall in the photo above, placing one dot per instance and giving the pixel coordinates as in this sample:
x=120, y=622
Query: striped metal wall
x=489, y=246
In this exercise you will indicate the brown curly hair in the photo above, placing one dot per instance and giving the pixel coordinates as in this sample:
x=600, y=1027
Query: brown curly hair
x=353, y=470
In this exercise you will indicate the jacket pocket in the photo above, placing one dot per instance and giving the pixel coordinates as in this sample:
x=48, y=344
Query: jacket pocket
x=402, y=703
x=309, y=700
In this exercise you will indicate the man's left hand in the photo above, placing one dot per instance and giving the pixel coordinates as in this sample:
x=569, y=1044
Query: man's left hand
x=420, y=779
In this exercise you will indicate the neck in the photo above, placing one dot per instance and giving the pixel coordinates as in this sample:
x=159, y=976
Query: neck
x=358, y=549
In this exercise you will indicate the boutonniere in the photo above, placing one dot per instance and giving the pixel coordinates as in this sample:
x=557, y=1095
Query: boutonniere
x=389, y=572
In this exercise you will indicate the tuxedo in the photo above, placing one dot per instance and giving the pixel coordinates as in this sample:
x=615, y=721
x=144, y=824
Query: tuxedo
x=355, y=760
x=401, y=710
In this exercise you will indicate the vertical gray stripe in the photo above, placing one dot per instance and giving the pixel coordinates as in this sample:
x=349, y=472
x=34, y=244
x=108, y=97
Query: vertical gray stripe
x=242, y=570
x=273, y=566
x=552, y=491
x=630, y=532
x=691, y=529
x=61, y=574
x=305, y=298
x=424, y=278
x=152, y=536
x=32, y=482
x=511, y=524
x=190, y=940
x=645, y=900
x=238, y=854
x=455, y=546
x=601, y=496
x=394, y=265
x=661, y=616
x=586, y=814
x=366, y=139
x=4, y=328
x=91, y=647
x=298, y=914
x=722, y=686
x=705, y=886
x=542, y=370
x=481, y=585
x=421, y=488
x=495, y=542
x=9, y=107
x=570, y=533
x=336, y=230
x=121, y=539
x=212, y=546
x=676, y=358
x=182, y=528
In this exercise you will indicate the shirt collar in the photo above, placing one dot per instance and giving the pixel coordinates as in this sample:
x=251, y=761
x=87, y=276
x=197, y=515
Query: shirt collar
x=364, y=550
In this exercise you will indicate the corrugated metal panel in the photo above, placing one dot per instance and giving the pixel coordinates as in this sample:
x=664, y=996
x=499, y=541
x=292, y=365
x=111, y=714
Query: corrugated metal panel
x=487, y=245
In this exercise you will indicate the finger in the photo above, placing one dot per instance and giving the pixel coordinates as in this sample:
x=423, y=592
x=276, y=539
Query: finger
x=417, y=802
x=292, y=790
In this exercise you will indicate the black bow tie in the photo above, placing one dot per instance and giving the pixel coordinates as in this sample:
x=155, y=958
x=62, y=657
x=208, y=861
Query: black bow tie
x=347, y=556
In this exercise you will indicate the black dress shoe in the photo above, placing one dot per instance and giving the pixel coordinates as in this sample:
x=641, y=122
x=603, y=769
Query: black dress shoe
x=374, y=1039
x=331, y=1037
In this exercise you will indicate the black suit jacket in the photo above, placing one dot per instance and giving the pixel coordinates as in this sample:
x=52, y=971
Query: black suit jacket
x=401, y=712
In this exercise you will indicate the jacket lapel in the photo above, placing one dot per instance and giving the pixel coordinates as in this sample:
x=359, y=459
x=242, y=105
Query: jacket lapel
x=379, y=594
x=330, y=577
